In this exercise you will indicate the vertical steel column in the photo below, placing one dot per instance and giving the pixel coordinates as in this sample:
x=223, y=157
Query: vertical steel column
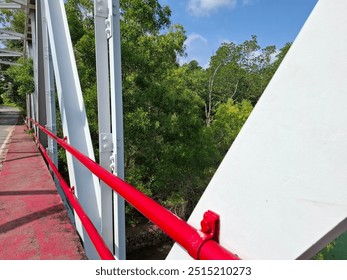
x=49, y=86
x=39, y=58
x=28, y=108
x=32, y=105
x=74, y=119
x=104, y=122
x=117, y=121
x=35, y=66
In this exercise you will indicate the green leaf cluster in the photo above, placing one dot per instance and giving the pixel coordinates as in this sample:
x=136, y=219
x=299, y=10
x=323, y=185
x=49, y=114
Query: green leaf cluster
x=18, y=81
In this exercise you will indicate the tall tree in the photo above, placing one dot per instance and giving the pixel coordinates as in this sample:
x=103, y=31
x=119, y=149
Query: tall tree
x=237, y=72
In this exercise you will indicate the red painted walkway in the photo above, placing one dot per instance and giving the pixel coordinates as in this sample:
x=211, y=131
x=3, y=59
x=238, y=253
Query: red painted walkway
x=33, y=221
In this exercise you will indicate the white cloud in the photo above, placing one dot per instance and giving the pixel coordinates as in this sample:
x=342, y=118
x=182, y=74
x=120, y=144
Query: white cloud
x=194, y=37
x=247, y=2
x=206, y=7
x=274, y=56
x=196, y=48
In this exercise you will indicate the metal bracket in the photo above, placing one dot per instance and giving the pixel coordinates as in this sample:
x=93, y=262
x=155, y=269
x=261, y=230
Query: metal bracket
x=108, y=30
x=210, y=226
x=105, y=142
x=113, y=163
x=209, y=231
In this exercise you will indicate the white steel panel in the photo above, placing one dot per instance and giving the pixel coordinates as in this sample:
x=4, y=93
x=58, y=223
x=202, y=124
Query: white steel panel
x=281, y=189
x=74, y=119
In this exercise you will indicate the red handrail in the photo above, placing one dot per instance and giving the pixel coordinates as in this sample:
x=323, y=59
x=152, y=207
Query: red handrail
x=93, y=233
x=197, y=243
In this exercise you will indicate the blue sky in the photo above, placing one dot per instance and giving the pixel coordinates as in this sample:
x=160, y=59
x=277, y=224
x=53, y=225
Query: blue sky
x=208, y=23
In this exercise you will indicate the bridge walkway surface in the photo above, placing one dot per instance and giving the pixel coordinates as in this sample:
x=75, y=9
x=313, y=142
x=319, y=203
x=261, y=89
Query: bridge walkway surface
x=34, y=223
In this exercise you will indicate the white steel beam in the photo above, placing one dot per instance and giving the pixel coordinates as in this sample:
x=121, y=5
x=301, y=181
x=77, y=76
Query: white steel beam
x=49, y=91
x=9, y=53
x=9, y=63
x=20, y=2
x=32, y=104
x=42, y=118
x=10, y=6
x=28, y=108
x=9, y=34
x=35, y=65
x=9, y=37
x=74, y=119
x=26, y=45
x=104, y=122
x=117, y=121
x=49, y=87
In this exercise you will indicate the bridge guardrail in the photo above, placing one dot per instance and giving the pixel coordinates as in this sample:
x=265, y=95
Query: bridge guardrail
x=200, y=244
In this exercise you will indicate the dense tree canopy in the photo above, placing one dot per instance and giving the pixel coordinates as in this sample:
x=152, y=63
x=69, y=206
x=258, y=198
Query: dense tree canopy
x=179, y=119
x=15, y=81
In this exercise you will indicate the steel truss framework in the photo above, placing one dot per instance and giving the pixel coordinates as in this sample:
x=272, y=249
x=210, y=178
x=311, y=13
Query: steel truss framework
x=47, y=41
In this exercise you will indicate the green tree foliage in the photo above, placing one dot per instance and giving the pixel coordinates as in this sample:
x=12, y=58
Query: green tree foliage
x=229, y=119
x=15, y=81
x=179, y=119
x=238, y=72
x=13, y=20
x=19, y=82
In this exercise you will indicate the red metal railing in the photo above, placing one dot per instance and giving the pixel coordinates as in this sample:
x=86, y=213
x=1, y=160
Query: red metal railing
x=93, y=233
x=200, y=244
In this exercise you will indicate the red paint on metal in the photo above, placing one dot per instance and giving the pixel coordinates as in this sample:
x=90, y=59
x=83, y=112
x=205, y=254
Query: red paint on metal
x=33, y=220
x=187, y=236
x=210, y=226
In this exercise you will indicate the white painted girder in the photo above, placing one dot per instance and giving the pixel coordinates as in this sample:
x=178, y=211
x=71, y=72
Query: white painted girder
x=9, y=34
x=10, y=6
x=117, y=121
x=74, y=119
x=9, y=63
x=104, y=120
x=8, y=53
x=281, y=190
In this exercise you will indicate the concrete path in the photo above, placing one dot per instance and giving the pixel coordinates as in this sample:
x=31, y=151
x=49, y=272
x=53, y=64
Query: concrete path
x=33, y=221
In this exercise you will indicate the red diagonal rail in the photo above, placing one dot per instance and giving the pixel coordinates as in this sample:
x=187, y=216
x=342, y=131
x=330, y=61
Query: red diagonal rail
x=198, y=244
